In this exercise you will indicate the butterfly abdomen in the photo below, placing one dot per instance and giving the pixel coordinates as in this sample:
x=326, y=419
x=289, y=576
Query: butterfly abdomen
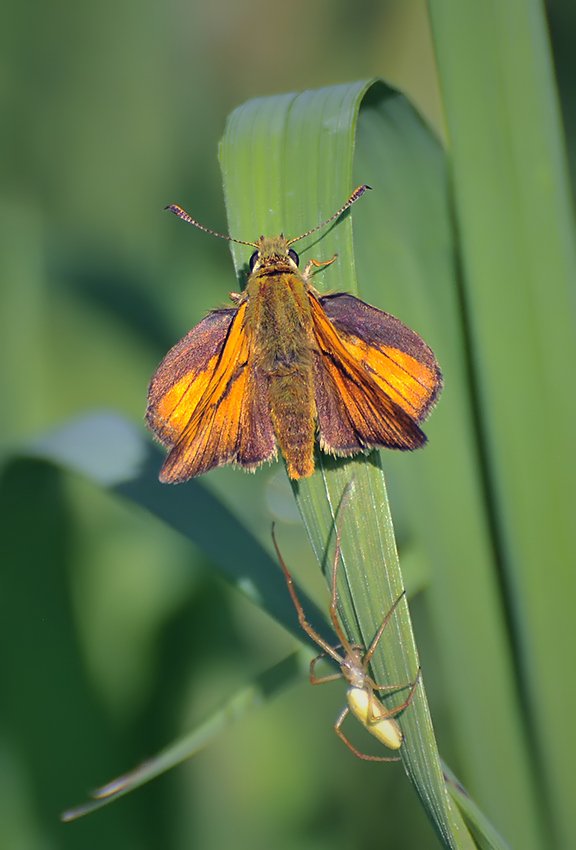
x=282, y=323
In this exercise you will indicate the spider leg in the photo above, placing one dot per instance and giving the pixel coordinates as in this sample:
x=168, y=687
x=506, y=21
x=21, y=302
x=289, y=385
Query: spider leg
x=372, y=648
x=338, y=729
x=320, y=680
x=398, y=709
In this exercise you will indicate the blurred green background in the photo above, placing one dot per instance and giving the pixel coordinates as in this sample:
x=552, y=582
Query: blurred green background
x=116, y=635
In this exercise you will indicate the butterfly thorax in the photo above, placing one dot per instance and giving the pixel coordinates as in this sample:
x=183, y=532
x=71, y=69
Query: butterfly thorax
x=278, y=312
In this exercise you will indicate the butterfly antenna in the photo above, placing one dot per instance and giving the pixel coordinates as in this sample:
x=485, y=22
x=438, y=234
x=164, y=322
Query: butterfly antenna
x=181, y=213
x=357, y=193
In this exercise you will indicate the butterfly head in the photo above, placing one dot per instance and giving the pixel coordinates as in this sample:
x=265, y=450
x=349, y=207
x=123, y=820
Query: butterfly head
x=273, y=255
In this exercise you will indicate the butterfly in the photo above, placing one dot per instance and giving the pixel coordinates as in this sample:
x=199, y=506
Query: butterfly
x=285, y=366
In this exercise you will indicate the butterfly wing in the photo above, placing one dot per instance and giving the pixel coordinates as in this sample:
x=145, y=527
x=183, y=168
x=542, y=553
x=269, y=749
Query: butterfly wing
x=181, y=379
x=398, y=360
x=369, y=392
x=208, y=402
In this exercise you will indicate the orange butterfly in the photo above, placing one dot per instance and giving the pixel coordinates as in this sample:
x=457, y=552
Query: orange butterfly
x=285, y=365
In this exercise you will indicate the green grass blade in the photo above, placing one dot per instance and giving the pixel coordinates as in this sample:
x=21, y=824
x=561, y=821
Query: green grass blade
x=42, y=664
x=112, y=452
x=372, y=583
x=486, y=837
x=511, y=192
x=308, y=161
x=406, y=247
x=264, y=687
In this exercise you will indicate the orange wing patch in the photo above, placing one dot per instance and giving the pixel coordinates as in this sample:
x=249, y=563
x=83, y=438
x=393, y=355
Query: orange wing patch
x=173, y=411
x=355, y=411
x=187, y=368
x=215, y=414
x=407, y=382
x=399, y=360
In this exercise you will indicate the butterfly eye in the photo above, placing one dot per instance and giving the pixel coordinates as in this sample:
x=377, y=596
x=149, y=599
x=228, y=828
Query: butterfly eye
x=294, y=256
x=253, y=259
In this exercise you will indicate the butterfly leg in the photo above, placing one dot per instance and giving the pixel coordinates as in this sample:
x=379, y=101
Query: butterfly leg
x=317, y=264
x=237, y=297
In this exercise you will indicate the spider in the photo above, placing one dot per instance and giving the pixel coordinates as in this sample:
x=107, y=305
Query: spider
x=353, y=661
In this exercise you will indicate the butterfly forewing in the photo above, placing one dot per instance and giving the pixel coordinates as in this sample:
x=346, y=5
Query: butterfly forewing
x=354, y=413
x=216, y=411
x=398, y=359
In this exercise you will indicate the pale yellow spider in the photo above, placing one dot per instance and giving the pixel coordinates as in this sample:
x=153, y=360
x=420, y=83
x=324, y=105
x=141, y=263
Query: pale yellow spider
x=353, y=662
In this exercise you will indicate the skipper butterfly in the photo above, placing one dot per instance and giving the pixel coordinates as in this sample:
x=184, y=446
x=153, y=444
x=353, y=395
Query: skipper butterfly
x=285, y=366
